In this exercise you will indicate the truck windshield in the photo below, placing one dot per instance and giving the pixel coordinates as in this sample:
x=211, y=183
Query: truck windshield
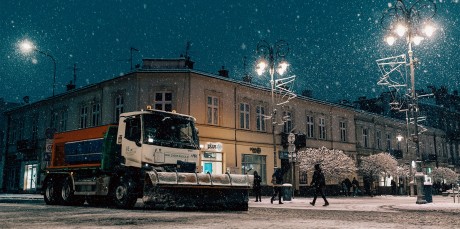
x=170, y=130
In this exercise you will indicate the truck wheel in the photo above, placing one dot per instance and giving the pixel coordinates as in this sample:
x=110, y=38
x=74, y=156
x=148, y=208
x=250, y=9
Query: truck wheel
x=124, y=195
x=51, y=196
x=68, y=198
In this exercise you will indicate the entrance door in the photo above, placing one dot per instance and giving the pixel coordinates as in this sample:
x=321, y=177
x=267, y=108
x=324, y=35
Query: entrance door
x=207, y=168
x=30, y=177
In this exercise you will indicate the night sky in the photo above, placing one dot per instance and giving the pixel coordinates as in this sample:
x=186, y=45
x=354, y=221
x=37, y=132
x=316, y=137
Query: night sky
x=333, y=44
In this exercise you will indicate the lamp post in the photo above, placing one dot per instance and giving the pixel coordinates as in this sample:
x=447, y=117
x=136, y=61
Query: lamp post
x=271, y=55
x=411, y=22
x=400, y=137
x=27, y=47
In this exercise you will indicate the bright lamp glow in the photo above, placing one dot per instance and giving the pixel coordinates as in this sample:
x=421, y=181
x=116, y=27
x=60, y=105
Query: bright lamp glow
x=429, y=30
x=260, y=68
x=417, y=39
x=400, y=30
x=26, y=46
x=390, y=40
x=399, y=137
x=282, y=67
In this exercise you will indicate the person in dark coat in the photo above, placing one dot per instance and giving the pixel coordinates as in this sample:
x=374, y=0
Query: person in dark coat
x=348, y=183
x=257, y=187
x=277, y=186
x=393, y=187
x=319, y=182
x=355, y=184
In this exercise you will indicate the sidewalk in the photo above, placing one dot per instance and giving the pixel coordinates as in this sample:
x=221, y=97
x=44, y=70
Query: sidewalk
x=377, y=203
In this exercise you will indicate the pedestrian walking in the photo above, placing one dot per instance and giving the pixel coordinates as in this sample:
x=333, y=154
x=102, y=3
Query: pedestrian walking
x=348, y=183
x=393, y=187
x=355, y=184
x=277, y=180
x=319, y=182
x=257, y=188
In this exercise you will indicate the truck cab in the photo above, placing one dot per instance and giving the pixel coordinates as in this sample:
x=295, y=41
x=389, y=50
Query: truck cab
x=158, y=139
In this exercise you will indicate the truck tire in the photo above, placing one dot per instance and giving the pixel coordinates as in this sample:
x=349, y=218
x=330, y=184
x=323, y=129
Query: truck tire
x=51, y=195
x=67, y=194
x=124, y=195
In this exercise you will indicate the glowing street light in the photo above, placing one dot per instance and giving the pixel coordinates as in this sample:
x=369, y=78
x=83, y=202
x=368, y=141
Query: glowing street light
x=26, y=47
x=403, y=20
x=271, y=55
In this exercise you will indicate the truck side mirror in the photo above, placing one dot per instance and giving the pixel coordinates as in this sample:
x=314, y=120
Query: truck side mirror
x=138, y=142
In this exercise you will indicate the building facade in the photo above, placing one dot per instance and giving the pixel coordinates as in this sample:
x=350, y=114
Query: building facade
x=232, y=117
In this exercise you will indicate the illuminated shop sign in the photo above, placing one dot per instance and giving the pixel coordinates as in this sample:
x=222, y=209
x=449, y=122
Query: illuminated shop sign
x=213, y=146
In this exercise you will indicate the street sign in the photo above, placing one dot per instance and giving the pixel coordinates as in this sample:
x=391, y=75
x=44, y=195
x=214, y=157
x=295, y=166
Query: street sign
x=291, y=138
x=283, y=155
x=49, y=145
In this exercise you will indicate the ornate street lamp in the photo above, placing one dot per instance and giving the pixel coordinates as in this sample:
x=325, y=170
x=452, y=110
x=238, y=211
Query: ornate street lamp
x=27, y=47
x=413, y=23
x=271, y=56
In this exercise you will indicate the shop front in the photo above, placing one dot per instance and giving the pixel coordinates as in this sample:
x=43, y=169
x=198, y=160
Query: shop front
x=211, y=158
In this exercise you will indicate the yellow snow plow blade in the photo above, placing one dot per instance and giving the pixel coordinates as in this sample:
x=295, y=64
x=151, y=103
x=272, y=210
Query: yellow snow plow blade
x=170, y=190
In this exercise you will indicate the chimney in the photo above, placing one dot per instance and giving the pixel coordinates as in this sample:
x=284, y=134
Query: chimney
x=26, y=99
x=223, y=72
x=188, y=62
x=70, y=86
x=247, y=78
x=307, y=93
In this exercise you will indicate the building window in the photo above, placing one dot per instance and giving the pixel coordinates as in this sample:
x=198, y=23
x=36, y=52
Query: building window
x=119, y=107
x=343, y=131
x=30, y=177
x=303, y=177
x=211, y=162
x=310, y=126
x=379, y=139
x=12, y=137
x=96, y=114
x=163, y=101
x=322, y=128
x=260, y=113
x=244, y=116
x=365, y=137
x=21, y=129
x=287, y=118
x=213, y=110
x=54, y=119
x=63, y=120
x=34, y=127
x=388, y=142
x=251, y=163
x=83, y=116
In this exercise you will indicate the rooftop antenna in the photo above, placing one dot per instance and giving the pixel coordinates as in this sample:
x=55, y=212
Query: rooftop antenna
x=188, y=62
x=75, y=74
x=187, y=49
x=246, y=77
x=131, y=58
x=71, y=85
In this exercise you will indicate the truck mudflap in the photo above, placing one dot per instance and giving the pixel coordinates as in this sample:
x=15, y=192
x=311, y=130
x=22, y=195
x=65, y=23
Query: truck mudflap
x=174, y=190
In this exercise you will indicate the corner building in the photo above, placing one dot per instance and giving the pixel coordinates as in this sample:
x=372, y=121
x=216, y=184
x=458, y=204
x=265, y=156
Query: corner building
x=235, y=135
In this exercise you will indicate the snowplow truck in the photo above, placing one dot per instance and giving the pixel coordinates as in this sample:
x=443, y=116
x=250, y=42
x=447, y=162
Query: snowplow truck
x=150, y=155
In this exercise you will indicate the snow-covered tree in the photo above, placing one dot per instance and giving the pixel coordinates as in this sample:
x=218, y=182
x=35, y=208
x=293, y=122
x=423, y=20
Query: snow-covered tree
x=335, y=164
x=402, y=171
x=378, y=164
x=446, y=175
